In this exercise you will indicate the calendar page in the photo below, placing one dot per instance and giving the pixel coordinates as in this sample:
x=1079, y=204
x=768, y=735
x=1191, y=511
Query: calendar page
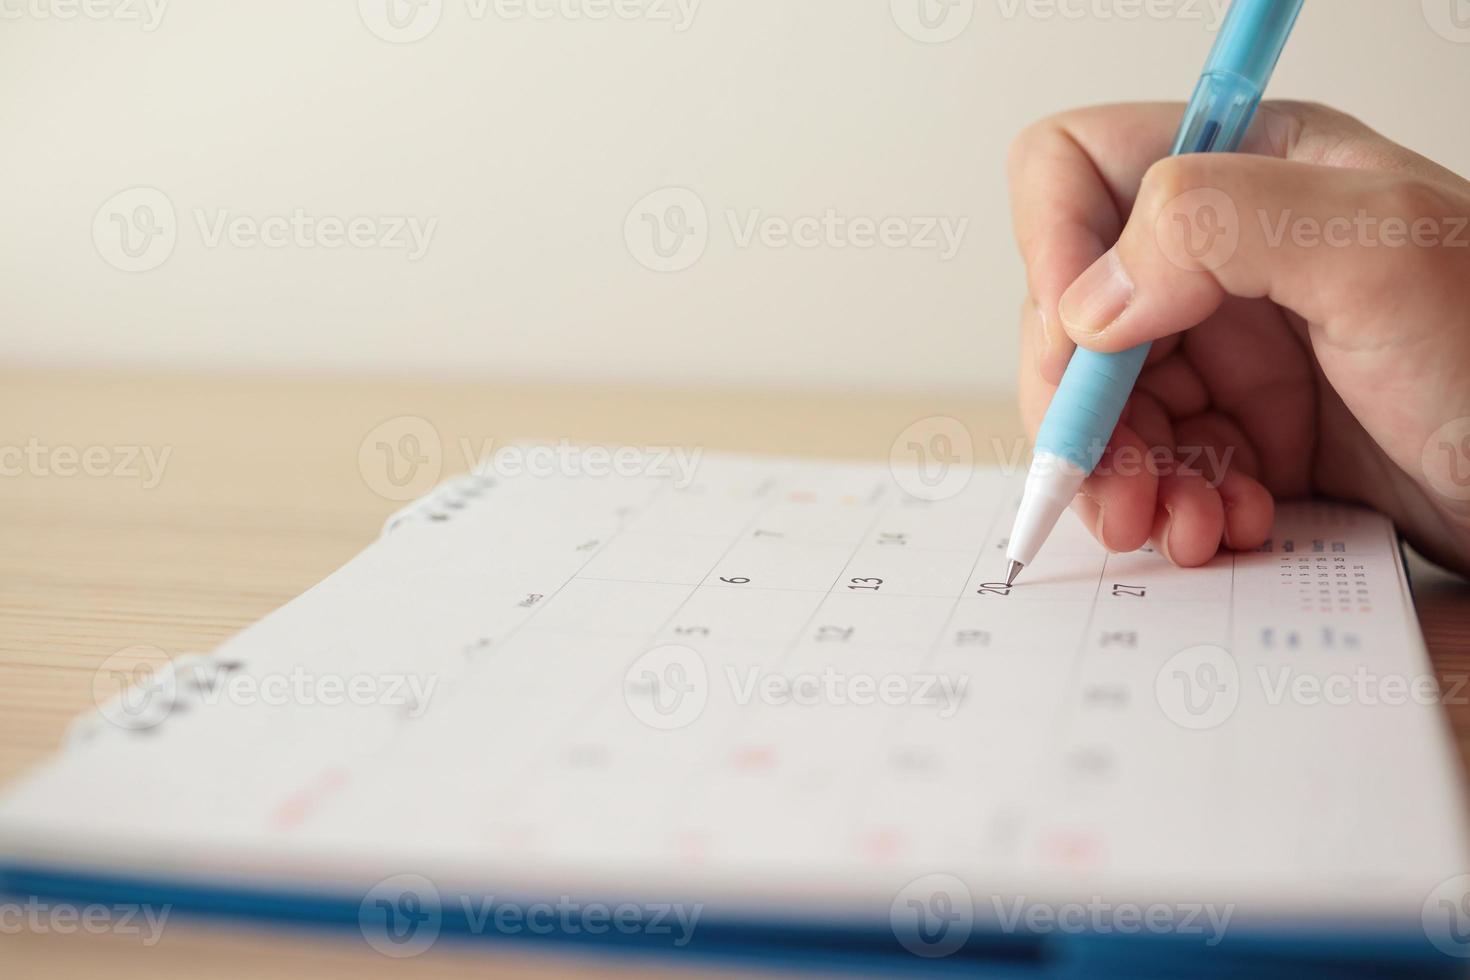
x=786, y=689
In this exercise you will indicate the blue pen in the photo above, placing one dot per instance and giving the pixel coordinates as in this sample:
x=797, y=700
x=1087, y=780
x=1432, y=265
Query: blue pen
x=1095, y=388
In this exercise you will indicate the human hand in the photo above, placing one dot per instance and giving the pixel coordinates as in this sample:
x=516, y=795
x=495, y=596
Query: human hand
x=1309, y=304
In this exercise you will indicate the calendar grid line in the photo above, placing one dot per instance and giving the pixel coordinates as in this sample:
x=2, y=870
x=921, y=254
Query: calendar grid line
x=483, y=664
x=591, y=703
x=1000, y=510
x=737, y=724
x=801, y=633
x=1230, y=651
x=1066, y=706
x=622, y=526
x=664, y=624
x=733, y=725
x=879, y=596
x=854, y=791
x=896, y=723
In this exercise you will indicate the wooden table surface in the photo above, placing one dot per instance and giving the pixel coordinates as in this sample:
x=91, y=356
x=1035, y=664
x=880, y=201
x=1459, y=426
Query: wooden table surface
x=173, y=511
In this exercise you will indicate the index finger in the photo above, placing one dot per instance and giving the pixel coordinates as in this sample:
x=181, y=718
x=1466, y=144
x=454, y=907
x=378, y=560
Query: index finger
x=1073, y=181
x=1075, y=178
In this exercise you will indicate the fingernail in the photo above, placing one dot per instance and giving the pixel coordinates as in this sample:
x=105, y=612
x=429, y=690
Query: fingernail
x=1098, y=297
x=1164, y=537
x=1043, y=346
x=1102, y=513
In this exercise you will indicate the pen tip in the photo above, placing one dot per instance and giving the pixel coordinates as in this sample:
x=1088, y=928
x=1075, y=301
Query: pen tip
x=1012, y=572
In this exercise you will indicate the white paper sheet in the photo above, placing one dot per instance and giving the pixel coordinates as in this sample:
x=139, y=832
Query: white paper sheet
x=792, y=686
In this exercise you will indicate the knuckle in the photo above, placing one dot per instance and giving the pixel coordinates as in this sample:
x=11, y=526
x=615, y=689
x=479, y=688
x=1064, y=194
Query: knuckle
x=1170, y=178
x=1187, y=212
x=1317, y=115
x=1050, y=131
x=1410, y=198
x=1409, y=240
x=1163, y=181
x=1026, y=141
x=1316, y=132
x=1313, y=132
x=1281, y=124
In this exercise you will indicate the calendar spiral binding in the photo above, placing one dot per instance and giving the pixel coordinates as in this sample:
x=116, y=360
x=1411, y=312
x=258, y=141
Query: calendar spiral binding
x=143, y=705
x=445, y=500
x=155, y=694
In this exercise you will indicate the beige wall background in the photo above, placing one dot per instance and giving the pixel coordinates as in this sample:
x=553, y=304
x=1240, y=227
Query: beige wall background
x=565, y=189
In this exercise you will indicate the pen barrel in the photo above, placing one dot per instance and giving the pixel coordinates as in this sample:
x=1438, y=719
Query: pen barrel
x=1252, y=38
x=1218, y=115
x=1240, y=65
x=1086, y=408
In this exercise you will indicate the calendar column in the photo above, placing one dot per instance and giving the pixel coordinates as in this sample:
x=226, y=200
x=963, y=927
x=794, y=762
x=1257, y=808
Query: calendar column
x=1118, y=700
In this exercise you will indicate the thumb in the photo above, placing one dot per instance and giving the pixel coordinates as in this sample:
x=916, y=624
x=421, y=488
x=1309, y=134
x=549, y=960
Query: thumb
x=1340, y=247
